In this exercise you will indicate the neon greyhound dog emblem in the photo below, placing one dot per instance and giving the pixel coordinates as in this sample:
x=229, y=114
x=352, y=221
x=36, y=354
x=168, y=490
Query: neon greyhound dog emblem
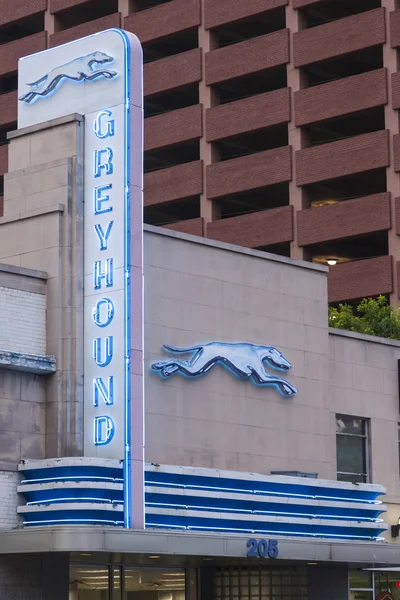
x=84, y=68
x=245, y=360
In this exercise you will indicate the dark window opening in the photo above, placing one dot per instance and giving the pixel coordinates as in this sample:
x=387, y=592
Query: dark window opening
x=324, y=12
x=251, y=143
x=345, y=188
x=281, y=249
x=398, y=444
x=1, y=185
x=22, y=28
x=172, y=212
x=352, y=453
x=353, y=63
x=366, y=121
x=251, y=85
x=8, y=83
x=272, y=196
x=90, y=11
x=5, y=130
x=171, y=156
x=369, y=245
x=354, y=302
x=245, y=29
x=171, y=45
x=139, y=5
x=171, y=100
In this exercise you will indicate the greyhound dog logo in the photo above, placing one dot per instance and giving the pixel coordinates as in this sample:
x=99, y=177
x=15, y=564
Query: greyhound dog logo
x=84, y=68
x=247, y=361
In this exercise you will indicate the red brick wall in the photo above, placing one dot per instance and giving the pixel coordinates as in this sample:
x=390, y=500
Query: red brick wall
x=303, y=3
x=172, y=72
x=396, y=90
x=398, y=278
x=344, y=219
x=340, y=97
x=247, y=57
x=360, y=279
x=74, y=33
x=396, y=152
x=249, y=114
x=11, y=52
x=341, y=158
x=339, y=37
x=12, y=10
x=8, y=112
x=173, y=127
x=395, y=29
x=397, y=215
x=170, y=184
x=164, y=19
x=3, y=159
x=58, y=5
x=249, y=172
x=218, y=12
x=1, y=206
x=191, y=226
x=254, y=230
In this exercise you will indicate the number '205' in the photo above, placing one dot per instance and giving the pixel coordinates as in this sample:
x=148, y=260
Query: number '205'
x=262, y=548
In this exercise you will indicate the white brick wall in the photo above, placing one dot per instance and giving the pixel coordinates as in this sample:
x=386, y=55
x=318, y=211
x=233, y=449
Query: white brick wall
x=8, y=500
x=22, y=321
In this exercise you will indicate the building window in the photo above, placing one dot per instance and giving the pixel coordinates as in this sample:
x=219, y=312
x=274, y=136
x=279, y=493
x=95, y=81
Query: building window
x=361, y=585
x=117, y=582
x=242, y=583
x=352, y=449
x=398, y=445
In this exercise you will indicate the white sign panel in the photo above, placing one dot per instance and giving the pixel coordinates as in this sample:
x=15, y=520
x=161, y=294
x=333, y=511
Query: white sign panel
x=101, y=77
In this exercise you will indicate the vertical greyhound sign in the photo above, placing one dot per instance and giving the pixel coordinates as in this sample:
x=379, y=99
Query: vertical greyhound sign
x=100, y=77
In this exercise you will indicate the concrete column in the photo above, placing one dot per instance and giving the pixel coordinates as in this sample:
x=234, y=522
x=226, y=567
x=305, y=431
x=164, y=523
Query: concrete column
x=329, y=583
x=123, y=8
x=191, y=584
x=54, y=576
x=206, y=583
x=51, y=24
x=34, y=577
x=392, y=124
x=208, y=98
x=295, y=139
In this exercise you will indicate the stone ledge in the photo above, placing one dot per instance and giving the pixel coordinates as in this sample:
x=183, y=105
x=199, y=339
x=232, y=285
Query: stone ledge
x=233, y=248
x=24, y=271
x=30, y=214
x=363, y=337
x=28, y=363
x=46, y=125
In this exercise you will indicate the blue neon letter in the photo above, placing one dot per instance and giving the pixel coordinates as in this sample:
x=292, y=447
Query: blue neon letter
x=103, y=235
x=103, y=160
x=97, y=351
x=99, y=199
x=107, y=274
x=99, y=130
x=104, y=430
x=109, y=312
x=100, y=390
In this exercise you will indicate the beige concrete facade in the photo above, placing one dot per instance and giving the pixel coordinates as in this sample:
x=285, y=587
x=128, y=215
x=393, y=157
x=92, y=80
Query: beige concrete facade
x=22, y=394
x=42, y=229
x=196, y=291
x=201, y=292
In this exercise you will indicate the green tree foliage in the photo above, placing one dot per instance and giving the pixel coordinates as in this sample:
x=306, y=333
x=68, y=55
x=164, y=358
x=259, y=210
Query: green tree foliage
x=373, y=316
